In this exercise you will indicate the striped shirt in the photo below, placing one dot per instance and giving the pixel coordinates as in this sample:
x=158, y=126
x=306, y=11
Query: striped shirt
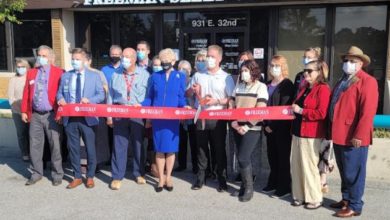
x=250, y=96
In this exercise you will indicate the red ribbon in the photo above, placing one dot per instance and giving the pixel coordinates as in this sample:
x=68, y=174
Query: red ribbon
x=122, y=111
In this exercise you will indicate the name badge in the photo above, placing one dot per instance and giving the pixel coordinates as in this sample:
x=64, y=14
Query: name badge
x=31, y=82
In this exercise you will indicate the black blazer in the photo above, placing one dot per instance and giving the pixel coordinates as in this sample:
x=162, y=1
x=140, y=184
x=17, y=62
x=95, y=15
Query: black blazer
x=282, y=95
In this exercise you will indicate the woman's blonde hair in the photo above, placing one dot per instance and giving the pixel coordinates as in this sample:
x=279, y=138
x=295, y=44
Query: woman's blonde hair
x=315, y=50
x=24, y=62
x=282, y=61
x=167, y=53
x=200, y=53
x=322, y=68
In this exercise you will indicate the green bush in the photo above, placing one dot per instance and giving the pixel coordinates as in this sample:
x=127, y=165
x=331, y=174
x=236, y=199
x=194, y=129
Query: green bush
x=381, y=133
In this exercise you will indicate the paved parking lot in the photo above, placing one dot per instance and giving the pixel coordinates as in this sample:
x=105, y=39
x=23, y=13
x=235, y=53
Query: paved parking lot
x=43, y=201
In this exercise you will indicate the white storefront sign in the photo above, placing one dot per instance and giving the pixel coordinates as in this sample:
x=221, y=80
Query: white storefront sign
x=144, y=2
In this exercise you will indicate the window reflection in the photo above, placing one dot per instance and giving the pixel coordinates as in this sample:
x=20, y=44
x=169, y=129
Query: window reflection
x=3, y=49
x=171, y=30
x=300, y=28
x=136, y=27
x=365, y=27
x=99, y=38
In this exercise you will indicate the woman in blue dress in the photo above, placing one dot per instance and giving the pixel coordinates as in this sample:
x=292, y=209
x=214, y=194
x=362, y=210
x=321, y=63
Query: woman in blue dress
x=166, y=89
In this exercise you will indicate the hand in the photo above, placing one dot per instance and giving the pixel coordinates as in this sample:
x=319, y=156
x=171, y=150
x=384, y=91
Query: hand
x=241, y=130
x=109, y=122
x=61, y=102
x=235, y=125
x=356, y=142
x=148, y=124
x=296, y=109
x=58, y=120
x=268, y=129
x=212, y=101
x=196, y=88
x=187, y=107
x=24, y=118
x=84, y=101
x=137, y=105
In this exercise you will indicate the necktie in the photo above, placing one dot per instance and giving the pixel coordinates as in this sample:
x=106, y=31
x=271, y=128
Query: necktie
x=78, y=88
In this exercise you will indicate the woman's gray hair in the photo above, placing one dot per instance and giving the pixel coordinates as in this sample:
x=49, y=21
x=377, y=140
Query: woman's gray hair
x=200, y=53
x=185, y=63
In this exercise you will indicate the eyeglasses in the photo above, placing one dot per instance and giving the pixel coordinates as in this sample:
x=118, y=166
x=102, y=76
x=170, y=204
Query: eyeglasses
x=309, y=71
x=350, y=60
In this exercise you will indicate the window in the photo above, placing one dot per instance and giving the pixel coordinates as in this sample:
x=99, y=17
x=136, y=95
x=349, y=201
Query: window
x=32, y=33
x=171, y=30
x=3, y=48
x=364, y=27
x=300, y=28
x=136, y=27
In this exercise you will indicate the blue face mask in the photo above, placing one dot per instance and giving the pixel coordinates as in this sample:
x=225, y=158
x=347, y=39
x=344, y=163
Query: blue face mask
x=77, y=64
x=42, y=61
x=21, y=70
x=126, y=63
x=201, y=66
x=141, y=55
x=157, y=68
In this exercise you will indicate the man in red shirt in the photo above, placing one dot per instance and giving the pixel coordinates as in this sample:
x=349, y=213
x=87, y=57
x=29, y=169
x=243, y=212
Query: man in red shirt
x=353, y=106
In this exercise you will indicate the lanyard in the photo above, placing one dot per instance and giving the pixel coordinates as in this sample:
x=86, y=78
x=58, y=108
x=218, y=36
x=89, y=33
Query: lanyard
x=129, y=84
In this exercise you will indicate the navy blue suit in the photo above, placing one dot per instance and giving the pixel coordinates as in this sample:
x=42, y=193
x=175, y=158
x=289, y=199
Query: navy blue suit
x=76, y=127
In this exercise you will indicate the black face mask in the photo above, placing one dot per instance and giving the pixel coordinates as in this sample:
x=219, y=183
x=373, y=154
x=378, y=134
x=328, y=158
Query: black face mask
x=115, y=59
x=166, y=66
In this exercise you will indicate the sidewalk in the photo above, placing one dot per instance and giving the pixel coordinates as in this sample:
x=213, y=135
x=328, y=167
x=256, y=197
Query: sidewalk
x=43, y=201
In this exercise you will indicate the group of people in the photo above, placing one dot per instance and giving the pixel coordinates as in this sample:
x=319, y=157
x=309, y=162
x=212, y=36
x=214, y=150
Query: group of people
x=300, y=153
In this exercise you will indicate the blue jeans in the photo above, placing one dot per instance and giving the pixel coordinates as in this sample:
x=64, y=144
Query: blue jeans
x=351, y=162
x=128, y=132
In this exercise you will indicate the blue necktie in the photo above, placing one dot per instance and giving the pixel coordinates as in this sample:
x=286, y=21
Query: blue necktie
x=78, y=88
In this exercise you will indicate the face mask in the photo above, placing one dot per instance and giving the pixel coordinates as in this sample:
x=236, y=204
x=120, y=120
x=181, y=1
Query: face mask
x=211, y=63
x=42, y=61
x=140, y=55
x=349, y=68
x=201, y=66
x=21, y=70
x=246, y=76
x=166, y=66
x=115, y=59
x=126, y=63
x=77, y=64
x=157, y=68
x=276, y=71
x=184, y=71
x=240, y=63
x=306, y=60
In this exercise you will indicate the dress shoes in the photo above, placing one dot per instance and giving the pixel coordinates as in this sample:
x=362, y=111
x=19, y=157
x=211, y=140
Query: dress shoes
x=222, y=187
x=343, y=204
x=32, y=181
x=115, y=185
x=56, y=182
x=90, y=183
x=158, y=189
x=75, y=183
x=168, y=188
x=346, y=213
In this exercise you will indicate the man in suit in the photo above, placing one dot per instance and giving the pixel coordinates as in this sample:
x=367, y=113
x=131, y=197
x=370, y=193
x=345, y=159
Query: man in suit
x=39, y=108
x=83, y=86
x=352, y=109
x=143, y=61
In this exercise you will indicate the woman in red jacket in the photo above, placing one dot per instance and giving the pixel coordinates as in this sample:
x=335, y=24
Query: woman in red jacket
x=309, y=129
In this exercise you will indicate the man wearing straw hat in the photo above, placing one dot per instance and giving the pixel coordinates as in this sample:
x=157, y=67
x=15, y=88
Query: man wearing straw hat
x=352, y=110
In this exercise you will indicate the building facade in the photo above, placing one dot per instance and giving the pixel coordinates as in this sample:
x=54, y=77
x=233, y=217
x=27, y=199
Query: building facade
x=264, y=27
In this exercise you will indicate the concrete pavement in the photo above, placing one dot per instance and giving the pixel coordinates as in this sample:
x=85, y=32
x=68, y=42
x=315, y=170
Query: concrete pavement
x=132, y=201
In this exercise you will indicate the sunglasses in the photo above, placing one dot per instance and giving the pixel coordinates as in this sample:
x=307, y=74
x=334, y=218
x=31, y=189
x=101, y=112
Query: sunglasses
x=350, y=60
x=309, y=71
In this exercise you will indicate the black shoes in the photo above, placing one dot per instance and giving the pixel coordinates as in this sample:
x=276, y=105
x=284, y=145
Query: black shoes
x=158, y=189
x=222, y=187
x=168, y=188
x=198, y=184
x=32, y=181
x=247, y=185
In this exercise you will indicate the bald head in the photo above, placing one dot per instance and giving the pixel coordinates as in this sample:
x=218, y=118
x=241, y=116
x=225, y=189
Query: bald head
x=130, y=53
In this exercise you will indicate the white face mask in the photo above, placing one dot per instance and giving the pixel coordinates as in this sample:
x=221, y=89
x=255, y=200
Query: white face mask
x=126, y=63
x=21, y=70
x=276, y=71
x=349, y=68
x=211, y=62
x=246, y=76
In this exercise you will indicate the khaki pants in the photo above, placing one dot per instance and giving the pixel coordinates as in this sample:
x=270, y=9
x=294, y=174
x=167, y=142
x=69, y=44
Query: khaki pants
x=305, y=176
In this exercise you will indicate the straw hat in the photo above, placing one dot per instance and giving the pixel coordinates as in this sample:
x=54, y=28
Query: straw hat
x=357, y=52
